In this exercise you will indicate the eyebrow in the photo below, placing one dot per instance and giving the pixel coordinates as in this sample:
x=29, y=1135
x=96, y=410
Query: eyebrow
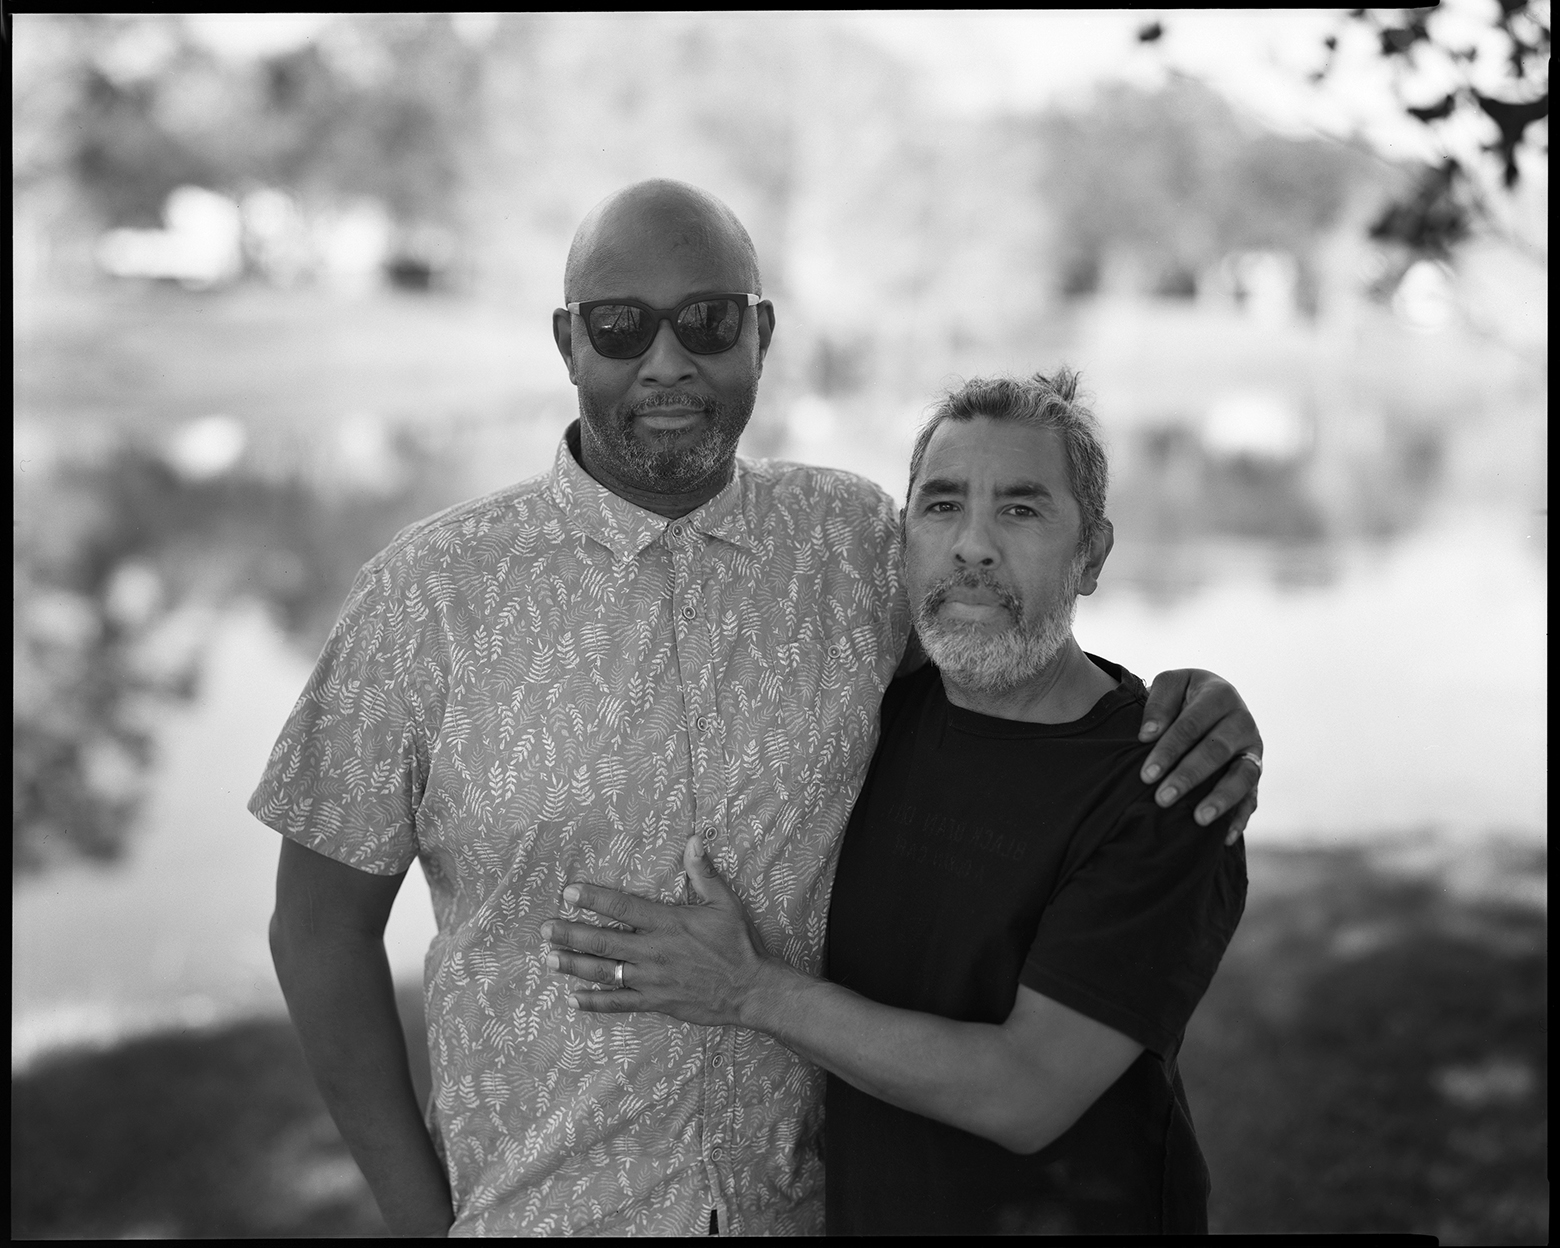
x=1013, y=489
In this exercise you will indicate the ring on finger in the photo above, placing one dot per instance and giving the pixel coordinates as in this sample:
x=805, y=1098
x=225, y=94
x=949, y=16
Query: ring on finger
x=617, y=975
x=1254, y=757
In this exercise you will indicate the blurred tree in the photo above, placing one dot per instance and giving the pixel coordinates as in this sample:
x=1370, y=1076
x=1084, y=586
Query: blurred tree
x=1478, y=88
x=120, y=562
x=1446, y=75
x=1443, y=62
x=1432, y=217
x=1475, y=76
x=131, y=107
x=378, y=106
x=1178, y=180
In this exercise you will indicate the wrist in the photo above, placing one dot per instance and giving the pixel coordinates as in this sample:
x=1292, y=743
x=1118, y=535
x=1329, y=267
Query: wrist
x=767, y=998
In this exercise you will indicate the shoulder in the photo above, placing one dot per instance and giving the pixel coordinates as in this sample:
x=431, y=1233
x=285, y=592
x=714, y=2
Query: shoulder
x=806, y=489
x=500, y=520
x=1123, y=817
x=1118, y=716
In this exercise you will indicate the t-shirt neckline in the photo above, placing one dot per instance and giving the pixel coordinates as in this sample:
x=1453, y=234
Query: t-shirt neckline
x=1128, y=689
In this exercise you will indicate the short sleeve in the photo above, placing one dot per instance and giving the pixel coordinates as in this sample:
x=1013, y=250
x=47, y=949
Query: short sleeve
x=1136, y=930
x=348, y=771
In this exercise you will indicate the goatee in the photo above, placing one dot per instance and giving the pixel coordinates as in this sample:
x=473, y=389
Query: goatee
x=989, y=661
x=660, y=463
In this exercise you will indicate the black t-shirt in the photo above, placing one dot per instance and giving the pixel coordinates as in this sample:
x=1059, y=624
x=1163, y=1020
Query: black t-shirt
x=984, y=853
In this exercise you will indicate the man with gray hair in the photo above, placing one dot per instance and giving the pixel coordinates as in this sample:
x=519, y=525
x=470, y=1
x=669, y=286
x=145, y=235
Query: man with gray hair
x=1018, y=934
x=977, y=658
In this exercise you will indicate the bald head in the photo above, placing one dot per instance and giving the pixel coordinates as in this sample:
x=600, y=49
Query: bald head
x=658, y=217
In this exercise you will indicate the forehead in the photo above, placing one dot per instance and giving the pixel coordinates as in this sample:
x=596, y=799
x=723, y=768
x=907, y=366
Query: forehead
x=661, y=263
x=984, y=452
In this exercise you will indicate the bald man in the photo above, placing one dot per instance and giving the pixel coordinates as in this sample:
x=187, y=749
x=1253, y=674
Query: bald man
x=565, y=680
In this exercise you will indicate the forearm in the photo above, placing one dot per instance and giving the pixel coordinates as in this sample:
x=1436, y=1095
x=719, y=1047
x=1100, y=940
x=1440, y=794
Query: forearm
x=342, y=1000
x=968, y=1075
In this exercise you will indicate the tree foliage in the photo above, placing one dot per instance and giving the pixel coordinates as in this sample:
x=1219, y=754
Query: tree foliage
x=120, y=564
x=1179, y=179
x=1489, y=78
x=1474, y=78
x=1424, y=53
x=129, y=108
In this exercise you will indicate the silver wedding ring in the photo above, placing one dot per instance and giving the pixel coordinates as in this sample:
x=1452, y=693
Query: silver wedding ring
x=1254, y=757
x=617, y=975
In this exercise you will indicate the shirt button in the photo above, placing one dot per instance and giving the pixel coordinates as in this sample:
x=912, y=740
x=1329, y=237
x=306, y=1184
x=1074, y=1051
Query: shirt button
x=689, y=613
x=676, y=530
x=704, y=723
x=719, y=1060
x=709, y=833
x=717, y=1152
x=834, y=652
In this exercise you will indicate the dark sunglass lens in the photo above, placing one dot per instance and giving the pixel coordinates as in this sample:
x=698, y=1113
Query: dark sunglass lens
x=618, y=330
x=710, y=325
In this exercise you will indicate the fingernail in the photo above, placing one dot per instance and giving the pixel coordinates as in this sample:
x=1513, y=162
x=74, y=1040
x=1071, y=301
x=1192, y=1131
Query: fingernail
x=1207, y=814
x=1149, y=725
x=572, y=894
x=1166, y=796
x=1151, y=772
x=546, y=931
x=552, y=961
x=574, y=1001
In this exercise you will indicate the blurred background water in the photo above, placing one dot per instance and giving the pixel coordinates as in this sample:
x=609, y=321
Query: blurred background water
x=283, y=284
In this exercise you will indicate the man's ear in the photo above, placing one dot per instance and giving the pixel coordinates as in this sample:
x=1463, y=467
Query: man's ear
x=1100, y=546
x=563, y=335
x=764, y=314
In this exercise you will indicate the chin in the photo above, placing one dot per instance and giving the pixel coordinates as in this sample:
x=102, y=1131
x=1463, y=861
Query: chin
x=991, y=660
x=672, y=462
x=983, y=659
x=667, y=460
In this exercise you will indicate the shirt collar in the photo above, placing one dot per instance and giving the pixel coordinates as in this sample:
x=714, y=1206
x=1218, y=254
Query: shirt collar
x=626, y=529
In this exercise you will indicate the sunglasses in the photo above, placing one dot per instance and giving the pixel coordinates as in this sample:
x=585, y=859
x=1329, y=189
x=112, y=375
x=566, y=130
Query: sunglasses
x=623, y=329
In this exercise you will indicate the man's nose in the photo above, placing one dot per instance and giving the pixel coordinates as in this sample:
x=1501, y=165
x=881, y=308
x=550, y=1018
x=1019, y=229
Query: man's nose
x=975, y=544
x=666, y=363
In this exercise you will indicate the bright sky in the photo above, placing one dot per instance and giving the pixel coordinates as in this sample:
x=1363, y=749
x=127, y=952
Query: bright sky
x=986, y=61
x=255, y=34
x=983, y=61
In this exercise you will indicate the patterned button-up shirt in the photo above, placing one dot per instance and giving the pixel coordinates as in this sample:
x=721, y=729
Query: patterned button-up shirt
x=551, y=684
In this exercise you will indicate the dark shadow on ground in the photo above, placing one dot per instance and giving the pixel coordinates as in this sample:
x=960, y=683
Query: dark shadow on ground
x=1371, y=1057
x=218, y=1134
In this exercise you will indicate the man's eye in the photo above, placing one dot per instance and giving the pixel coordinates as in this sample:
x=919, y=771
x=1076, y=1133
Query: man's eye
x=943, y=507
x=1019, y=509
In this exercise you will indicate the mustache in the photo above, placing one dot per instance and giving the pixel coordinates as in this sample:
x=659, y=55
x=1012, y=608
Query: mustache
x=672, y=398
x=972, y=578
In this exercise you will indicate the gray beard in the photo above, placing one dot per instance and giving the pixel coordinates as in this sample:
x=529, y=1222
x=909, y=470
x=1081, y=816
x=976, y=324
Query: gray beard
x=667, y=469
x=974, y=657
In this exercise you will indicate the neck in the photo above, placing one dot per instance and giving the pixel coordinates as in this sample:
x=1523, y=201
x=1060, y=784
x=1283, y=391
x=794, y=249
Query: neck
x=1064, y=690
x=672, y=505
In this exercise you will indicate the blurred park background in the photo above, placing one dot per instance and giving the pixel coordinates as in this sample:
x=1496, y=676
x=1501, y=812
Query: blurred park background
x=282, y=284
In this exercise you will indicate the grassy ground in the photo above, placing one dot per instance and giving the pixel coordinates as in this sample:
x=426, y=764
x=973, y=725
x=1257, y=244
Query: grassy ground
x=214, y=1135
x=1372, y=1057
